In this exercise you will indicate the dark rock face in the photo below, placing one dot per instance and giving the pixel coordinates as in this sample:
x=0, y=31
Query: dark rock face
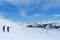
x=51, y=26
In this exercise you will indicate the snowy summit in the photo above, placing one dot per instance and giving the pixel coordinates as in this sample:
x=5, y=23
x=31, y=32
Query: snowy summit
x=19, y=32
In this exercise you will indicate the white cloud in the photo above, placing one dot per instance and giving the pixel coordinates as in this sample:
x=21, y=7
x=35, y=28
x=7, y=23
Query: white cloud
x=48, y=5
x=1, y=16
x=57, y=15
x=52, y=4
x=35, y=15
x=22, y=1
x=23, y=13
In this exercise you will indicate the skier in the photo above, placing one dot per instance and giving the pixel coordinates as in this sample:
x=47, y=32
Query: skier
x=8, y=29
x=3, y=28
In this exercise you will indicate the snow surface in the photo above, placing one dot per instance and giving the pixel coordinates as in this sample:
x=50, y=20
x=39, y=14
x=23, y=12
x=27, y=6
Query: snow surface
x=20, y=32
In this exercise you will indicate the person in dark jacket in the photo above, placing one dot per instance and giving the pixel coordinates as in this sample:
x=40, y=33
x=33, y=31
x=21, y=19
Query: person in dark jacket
x=8, y=29
x=3, y=28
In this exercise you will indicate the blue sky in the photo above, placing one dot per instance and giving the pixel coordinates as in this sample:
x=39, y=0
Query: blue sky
x=30, y=10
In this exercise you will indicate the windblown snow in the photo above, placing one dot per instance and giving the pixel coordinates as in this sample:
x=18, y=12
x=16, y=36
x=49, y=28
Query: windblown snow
x=21, y=32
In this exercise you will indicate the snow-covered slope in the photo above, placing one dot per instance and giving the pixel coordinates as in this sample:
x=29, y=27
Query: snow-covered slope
x=19, y=32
